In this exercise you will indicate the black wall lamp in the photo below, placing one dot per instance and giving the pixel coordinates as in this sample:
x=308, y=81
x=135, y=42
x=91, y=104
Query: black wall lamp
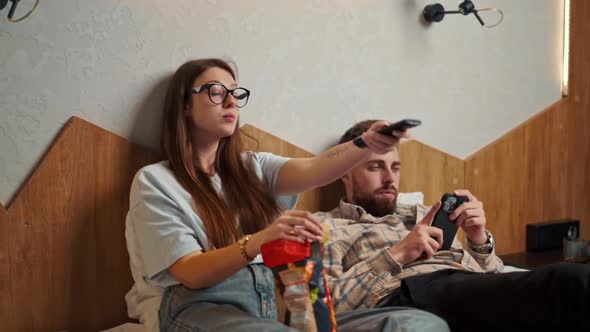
x=436, y=12
x=12, y=9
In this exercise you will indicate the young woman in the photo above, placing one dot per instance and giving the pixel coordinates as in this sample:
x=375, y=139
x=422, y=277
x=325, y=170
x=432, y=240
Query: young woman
x=199, y=218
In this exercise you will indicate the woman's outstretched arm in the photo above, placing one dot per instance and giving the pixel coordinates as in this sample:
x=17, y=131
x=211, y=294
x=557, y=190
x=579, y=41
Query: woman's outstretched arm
x=302, y=174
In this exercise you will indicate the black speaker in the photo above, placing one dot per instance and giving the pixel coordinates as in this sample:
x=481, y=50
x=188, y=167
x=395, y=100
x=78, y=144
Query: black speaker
x=550, y=235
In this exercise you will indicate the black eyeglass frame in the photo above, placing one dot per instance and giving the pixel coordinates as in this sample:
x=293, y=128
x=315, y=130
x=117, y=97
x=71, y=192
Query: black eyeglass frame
x=208, y=86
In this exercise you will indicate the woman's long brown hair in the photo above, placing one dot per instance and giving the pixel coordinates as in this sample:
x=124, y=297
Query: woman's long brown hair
x=247, y=199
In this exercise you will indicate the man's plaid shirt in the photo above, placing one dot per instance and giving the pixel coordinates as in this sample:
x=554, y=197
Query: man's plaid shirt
x=362, y=272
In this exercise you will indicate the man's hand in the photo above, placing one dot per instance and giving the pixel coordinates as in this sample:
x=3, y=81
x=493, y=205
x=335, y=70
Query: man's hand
x=471, y=217
x=423, y=241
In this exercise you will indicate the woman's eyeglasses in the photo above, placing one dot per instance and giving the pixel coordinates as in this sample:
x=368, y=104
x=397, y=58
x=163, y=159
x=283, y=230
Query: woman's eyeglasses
x=218, y=93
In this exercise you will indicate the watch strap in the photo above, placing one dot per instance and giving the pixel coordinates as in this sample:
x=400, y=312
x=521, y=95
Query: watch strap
x=483, y=248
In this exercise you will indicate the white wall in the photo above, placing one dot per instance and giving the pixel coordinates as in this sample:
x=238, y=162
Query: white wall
x=315, y=67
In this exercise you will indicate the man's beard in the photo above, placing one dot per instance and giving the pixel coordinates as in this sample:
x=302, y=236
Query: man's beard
x=376, y=207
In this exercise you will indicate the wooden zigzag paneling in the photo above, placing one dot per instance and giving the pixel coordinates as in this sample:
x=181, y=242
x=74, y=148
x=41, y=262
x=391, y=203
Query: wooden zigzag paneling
x=540, y=171
x=64, y=263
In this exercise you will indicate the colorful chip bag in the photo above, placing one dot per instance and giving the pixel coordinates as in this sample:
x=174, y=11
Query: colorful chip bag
x=302, y=284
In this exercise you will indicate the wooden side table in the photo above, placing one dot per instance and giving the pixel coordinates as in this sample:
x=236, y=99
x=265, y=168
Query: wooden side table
x=529, y=260
x=532, y=259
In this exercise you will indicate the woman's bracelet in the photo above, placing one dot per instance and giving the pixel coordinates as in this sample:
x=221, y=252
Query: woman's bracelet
x=242, y=243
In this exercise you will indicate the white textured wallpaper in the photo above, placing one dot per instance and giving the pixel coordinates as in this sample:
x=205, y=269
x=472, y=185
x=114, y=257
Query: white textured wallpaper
x=315, y=67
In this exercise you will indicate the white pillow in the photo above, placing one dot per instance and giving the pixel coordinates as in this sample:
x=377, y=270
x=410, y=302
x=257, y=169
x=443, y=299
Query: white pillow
x=414, y=198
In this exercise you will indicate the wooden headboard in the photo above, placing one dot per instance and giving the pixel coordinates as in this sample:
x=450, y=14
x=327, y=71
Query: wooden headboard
x=63, y=258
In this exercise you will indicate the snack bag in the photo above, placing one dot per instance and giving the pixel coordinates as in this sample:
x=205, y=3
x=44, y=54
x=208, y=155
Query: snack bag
x=302, y=283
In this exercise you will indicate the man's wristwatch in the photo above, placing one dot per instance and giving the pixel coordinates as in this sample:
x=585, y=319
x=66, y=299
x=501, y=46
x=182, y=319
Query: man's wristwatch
x=485, y=248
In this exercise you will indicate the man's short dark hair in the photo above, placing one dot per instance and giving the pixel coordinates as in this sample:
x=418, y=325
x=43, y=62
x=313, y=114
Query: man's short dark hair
x=356, y=130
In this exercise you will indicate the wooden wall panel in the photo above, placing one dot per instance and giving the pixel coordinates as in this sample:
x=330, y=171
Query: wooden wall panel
x=430, y=171
x=541, y=170
x=6, y=307
x=69, y=268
